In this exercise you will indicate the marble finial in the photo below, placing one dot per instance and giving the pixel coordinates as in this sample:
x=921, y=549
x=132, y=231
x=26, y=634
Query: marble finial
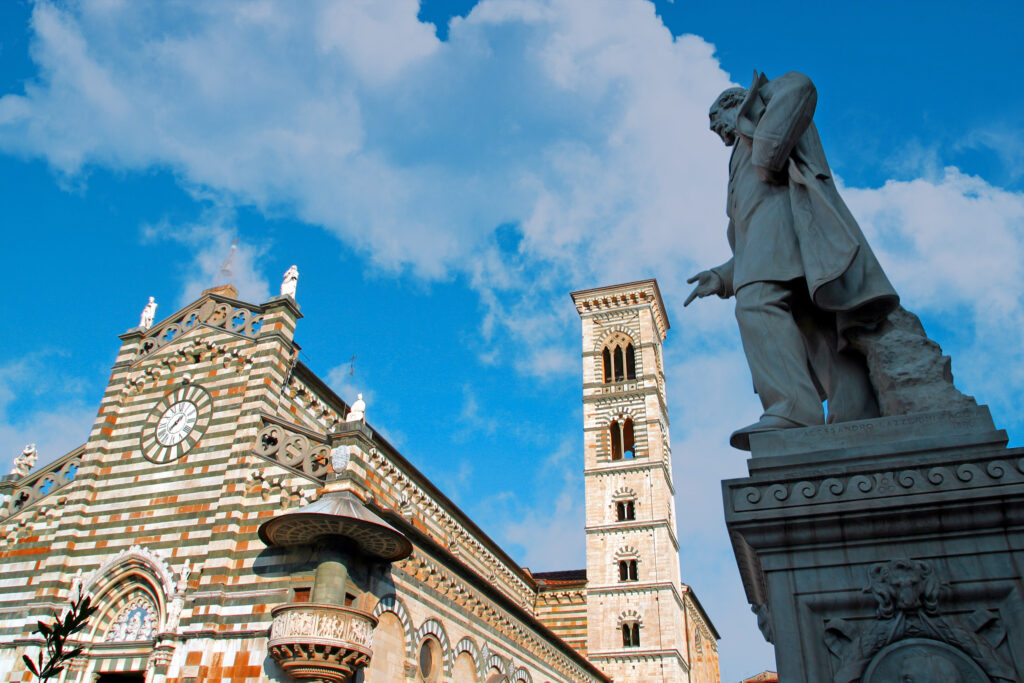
x=290, y=282
x=148, y=313
x=358, y=411
x=26, y=461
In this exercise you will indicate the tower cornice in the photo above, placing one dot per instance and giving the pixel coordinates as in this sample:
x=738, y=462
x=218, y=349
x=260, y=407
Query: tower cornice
x=626, y=295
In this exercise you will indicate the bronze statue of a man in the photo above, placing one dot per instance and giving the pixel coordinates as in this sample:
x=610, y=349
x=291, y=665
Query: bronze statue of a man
x=802, y=273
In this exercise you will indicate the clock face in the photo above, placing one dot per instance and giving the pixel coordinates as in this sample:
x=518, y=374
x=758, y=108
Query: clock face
x=176, y=423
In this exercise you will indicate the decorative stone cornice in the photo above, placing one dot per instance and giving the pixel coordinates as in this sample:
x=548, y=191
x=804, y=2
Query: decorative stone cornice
x=883, y=482
x=294, y=448
x=189, y=353
x=414, y=498
x=438, y=578
x=212, y=311
x=43, y=483
x=628, y=295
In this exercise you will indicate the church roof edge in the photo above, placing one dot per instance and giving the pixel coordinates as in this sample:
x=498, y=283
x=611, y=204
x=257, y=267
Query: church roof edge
x=688, y=590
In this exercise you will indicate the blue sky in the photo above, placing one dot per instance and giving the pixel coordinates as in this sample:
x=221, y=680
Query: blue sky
x=442, y=187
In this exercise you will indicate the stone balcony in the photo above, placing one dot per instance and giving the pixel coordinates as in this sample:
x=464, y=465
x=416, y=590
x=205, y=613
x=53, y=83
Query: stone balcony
x=320, y=642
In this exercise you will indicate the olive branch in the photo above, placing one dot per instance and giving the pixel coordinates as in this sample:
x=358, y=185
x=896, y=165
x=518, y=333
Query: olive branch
x=56, y=635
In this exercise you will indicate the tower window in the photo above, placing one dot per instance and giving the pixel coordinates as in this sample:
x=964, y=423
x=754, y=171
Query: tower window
x=627, y=570
x=631, y=634
x=618, y=360
x=619, y=373
x=625, y=511
x=616, y=438
x=623, y=442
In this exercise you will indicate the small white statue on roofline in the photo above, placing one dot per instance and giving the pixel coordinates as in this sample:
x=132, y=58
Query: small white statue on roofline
x=24, y=463
x=290, y=282
x=358, y=411
x=148, y=314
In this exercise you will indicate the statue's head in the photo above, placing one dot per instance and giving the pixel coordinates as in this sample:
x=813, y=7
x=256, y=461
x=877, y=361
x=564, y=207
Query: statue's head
x=723, y=114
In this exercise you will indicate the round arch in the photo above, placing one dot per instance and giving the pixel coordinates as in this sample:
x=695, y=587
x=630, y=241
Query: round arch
x=392, y=603
x=433, y=627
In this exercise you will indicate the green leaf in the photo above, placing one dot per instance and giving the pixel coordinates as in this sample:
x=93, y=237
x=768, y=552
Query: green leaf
x=43, y=629
x=31, y=666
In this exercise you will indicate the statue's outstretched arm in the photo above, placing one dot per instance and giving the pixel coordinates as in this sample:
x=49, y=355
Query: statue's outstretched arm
x=724, y=272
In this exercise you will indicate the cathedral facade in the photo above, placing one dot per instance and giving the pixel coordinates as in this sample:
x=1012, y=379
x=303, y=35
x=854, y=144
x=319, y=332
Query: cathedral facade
x=235, y=521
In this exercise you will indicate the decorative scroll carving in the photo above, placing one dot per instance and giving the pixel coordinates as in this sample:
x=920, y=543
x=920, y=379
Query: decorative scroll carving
x=319, y=642
x=294, y=450
x=266, y=486
x=864, y=485
x=47, y=480
x=244, y=321
x=908, y=594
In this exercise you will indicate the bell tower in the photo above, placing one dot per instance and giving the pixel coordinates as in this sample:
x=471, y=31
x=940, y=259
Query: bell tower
x=635, y=603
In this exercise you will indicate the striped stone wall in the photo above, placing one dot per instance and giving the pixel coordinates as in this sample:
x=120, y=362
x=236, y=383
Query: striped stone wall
x=175, y=540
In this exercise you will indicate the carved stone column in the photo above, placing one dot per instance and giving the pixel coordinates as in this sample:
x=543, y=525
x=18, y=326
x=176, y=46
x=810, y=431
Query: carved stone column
x=882, y=549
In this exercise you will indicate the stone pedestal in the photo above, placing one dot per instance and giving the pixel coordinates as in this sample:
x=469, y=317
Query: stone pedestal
x=886, y=548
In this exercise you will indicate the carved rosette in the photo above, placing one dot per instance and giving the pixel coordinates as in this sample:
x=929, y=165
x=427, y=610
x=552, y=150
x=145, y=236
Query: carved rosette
x=320, y=642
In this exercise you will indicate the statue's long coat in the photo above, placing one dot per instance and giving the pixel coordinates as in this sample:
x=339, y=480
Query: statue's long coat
x=841, y=271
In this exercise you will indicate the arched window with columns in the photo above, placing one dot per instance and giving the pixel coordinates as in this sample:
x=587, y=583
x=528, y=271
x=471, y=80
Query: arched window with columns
x=622, y=439
x=618, y=359
x=629, y=626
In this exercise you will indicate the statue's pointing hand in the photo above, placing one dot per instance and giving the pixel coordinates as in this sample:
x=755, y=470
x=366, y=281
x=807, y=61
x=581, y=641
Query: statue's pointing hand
x=708, y=283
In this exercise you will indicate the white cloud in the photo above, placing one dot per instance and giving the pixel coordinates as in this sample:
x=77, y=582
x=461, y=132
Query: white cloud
x=29, y=415
x=574, y=120
x=954, y=248
x=547, y=522
x=380, y=39
x=219, y=256
x=342, y=380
